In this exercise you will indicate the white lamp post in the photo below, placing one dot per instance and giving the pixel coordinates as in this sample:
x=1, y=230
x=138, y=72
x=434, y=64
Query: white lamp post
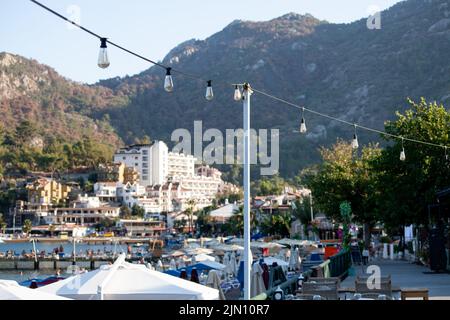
x=247, y=253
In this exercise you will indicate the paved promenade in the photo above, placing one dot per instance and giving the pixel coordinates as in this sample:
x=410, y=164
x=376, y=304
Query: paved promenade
x=408, y=275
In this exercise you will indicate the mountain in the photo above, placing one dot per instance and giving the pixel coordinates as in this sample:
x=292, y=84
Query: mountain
x=59, y=108
x=346, y=70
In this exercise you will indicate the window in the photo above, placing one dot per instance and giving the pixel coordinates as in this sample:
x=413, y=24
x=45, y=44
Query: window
x=144, y=177
x=124, y=158
x=145, y=171
x=145, y=152
x=145, y=159
x=145, y=165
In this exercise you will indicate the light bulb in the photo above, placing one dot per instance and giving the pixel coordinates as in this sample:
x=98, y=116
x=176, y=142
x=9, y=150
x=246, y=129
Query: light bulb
x=402, y=155
x=237, y=94
x=355, y=144
x=103, y=60
x=209, y=91
x=303, y=126
x=168, y=82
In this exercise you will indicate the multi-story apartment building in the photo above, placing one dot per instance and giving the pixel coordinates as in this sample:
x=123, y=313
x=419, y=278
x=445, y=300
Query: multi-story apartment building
x=149, y=160
x=171, y=179
x=111, y=172
x=130, y=175
x=181, y=165
x=44, y=192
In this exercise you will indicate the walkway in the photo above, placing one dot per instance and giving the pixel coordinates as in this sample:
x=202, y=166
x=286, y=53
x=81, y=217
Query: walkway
x=407, y=275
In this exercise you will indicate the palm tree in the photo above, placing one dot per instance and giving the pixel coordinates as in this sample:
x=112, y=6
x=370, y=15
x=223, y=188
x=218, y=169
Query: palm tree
x=27, y=226
x=191, y=203
x=236, y=222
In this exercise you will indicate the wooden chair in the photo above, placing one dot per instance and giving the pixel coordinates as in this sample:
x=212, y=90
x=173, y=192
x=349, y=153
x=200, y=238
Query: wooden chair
x=414, y=293
x=328, y=290
x=309, y=297
x=336, y=280
x=361, y=286
x=374, y=296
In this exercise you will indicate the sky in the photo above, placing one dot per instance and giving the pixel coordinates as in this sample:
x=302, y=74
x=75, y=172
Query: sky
x=151, y=28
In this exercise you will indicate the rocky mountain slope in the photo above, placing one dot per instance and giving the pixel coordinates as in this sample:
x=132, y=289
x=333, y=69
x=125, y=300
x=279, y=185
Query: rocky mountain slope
x=345, y=70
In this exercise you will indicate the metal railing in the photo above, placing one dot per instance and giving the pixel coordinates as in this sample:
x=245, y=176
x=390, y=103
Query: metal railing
x=336, y=266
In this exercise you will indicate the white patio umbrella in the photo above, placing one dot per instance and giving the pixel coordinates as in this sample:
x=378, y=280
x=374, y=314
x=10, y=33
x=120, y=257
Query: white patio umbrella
x=159, y=266
x=126, y=281
x=233, y=264
x=257, y=284
x=11, y=290
x=270, y=260
x=298, y=259
x=181, y=263
x=294, y=263
x=204, y=257
x=172, y=265
x=213, y=281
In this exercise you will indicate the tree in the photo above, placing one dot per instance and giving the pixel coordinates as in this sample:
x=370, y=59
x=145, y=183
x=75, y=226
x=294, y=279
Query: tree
x=277, y=224
x=302, y=211
x=346, y=214
x=409, y=186
x=137, y=211
x=125, y=212
x=235, y=224
x=191, y=203
x=27, y=226
x=25, y=131
x=347, y=175
x=269, y=186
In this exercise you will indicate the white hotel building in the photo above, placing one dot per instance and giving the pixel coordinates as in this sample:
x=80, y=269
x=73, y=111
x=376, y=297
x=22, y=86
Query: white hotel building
x=171, y=178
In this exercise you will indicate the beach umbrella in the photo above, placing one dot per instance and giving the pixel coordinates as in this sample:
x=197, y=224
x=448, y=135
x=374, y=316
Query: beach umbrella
x=298, y=259
x=194, y=275
x=266, y=275
x=293, y=261
x=159, y=266
x=181, y=263
x=126, y=281
x=173, y=264
x=204, y=257
x=271, y=260
x=11, y=290
x=213, y=281
x=226, y=262
x=257, y=282
x=183, y=274
x=233, y=263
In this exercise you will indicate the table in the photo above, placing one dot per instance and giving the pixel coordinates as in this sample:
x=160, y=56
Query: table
x=414, y=293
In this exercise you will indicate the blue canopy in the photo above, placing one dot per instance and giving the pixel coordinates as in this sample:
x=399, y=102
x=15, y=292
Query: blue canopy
x=174, y=273
x=201, y=266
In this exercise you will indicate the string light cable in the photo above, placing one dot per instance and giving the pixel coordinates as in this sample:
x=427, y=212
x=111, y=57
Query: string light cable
x=168, y=84
x=355, y=125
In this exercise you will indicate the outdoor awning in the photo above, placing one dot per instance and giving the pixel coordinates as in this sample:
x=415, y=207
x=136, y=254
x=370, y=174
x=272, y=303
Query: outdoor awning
x=11, y=290
x=126, y=281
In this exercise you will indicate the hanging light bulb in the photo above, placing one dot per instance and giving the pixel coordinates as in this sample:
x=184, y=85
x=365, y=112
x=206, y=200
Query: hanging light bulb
x=355, y=144
x=303, y=123
x=209, y=91
x=103, y=60
x=168, y=82
x=237, y=94
x=402, y=153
